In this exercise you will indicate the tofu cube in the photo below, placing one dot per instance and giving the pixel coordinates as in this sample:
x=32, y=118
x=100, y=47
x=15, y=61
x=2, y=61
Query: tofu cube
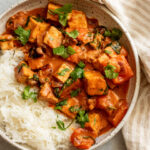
x=63, y=73
x=108, y=102
x=52, y=16
x=53, y=37
x=119, y=113
x=46, y=94
x=23, y=73
x=6, y=42
x=71, y=103
x=37, y=29
x=95, y=83
x=97, y=121
x=77, y=20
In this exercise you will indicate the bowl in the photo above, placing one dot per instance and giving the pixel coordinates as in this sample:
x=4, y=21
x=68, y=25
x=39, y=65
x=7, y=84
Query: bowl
x=106, y=18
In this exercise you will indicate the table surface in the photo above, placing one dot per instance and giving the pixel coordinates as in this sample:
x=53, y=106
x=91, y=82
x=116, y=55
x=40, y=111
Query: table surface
x=117, y=143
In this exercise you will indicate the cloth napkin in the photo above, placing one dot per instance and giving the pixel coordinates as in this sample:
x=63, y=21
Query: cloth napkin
x=135, y=15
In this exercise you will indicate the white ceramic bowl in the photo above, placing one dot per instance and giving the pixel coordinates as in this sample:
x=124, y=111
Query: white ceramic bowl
x=105, y=18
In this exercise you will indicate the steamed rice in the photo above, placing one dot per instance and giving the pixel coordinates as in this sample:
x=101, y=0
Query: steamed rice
x=23, y=120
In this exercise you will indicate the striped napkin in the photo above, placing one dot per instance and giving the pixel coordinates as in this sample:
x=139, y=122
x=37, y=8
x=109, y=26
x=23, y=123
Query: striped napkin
x=135, y=15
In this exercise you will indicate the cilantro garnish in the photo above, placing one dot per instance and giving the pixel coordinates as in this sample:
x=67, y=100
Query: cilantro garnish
x=73, y=34
x=62, y=103
x=82, y=118
x=61, y=125
x=110, y=72
x=63, y=72
x=62, y=13
x=63, y=52
x=75, y=92
x=23, y=35
x=81, y=64
x=27, y=94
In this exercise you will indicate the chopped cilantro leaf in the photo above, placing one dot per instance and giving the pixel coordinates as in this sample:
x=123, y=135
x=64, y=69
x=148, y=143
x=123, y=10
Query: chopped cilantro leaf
x=116, y=47
x=63, y=72
x=70, y=50
x=38, y=19
x=81, y=64
x=27, y=94
x=74, y=109
x=62, y=103
x=73, y=34
x=110, y=72
x=82, y=118
x=61, y=125
x=23, y=35
x=107, y=52
x=62, y=12
x=77, y=73
x=75, y=92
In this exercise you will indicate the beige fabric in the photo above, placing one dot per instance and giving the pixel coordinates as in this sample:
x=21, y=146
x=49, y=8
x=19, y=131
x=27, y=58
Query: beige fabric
x=135, y=15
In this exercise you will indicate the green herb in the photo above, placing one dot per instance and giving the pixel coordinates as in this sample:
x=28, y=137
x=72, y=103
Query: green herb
x=89, y=34
x=56, y=92
x=63, y=52
x=94, y=121
x=4, y=40
x=116, y=47
x=27, y=94
x=82, y=118
x=35, y=77
x=77, y=73
x=101, y=89
x=107, y=52
x=115, y=34
x=62, y=103
x=23, y=35
x=75, y=92
x=20, y=66
x=112, y=108
x=60, y=51
x=74, y=109
x=63, y=72
x=61, y=125
x=62, y=13
x=38, y=19
x=110, y=72
x=73, y=34
x=81, y=64
x=70, y=50
x=28, y=19
x=107, y=33
x=54, y=127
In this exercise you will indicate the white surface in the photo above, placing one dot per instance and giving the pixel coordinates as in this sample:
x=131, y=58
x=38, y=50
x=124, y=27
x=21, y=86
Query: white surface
x=117, y=143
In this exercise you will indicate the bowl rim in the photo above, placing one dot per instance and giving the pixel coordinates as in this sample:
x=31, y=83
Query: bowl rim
x=137, y=85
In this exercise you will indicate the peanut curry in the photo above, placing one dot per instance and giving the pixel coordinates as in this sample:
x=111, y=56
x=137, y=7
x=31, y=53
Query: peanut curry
x=79, y=67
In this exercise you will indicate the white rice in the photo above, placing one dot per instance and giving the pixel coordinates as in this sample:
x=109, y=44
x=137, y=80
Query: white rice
x=23, y=120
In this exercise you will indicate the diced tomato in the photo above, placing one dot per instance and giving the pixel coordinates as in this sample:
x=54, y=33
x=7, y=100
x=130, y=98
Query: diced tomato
x=82, y=138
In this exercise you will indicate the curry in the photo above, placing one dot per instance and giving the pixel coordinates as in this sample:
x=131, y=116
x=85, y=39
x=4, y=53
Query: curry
x=79, y=67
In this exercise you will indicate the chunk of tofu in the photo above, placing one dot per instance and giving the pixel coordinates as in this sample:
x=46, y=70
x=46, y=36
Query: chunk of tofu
x=23, y=73
x=6, y=42
x=75, y=58
x=77, y=20
x=125, y=72
x=52, y=16
x=46, y=94
x=96, y=43
x=108, y=102
x=105, y=42
x=38, y=63
x=53, y=37
x=97, y=121
x=119, y=113
x=71, y=108
x=110, y=52
x=91, y=103
x=63, y=73
x=37, y=28
x=95, y=83
x=73, y=86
